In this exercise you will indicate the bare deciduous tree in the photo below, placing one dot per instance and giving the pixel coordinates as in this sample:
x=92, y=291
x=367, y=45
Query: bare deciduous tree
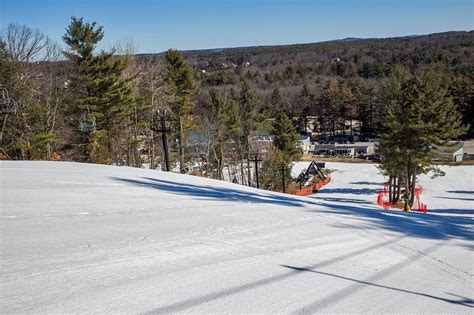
x=25, y=44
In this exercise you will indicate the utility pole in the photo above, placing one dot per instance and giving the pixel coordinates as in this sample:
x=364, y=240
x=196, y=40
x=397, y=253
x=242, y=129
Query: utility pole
x=164, y=136
x=164, y=132
x=256, y=159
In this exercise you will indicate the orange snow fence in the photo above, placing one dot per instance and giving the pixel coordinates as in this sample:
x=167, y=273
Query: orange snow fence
x=304, y=191
x=380, y=199
x=321, y=183
x=387, y=204
x=421, y=206
x=311, y=190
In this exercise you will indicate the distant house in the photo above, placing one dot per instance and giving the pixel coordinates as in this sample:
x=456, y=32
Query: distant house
x=452, y=152
x=357, y=149
x=364, y=148
x=305, y=143
x=262, y=145
x=332, y=150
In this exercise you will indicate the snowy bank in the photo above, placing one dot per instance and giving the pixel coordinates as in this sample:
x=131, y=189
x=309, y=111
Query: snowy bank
x=90, y=238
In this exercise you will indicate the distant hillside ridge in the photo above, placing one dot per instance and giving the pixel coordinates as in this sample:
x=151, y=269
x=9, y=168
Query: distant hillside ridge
x=305, y=46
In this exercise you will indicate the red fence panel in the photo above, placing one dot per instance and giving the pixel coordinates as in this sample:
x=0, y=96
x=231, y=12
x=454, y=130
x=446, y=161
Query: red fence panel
x=386, y=204
x=311, y=190
x=304, y=191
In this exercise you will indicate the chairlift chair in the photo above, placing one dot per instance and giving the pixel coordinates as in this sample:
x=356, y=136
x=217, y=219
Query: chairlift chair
x=5, y=105
x=87, y=123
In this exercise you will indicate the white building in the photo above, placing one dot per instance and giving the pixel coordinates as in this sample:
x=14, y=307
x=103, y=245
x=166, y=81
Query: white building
x=262, y=145
x=357, y=149
x=452, y=152
x=305, y=143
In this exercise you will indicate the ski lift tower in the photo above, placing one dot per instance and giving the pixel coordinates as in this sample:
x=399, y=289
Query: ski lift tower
x=161, y=123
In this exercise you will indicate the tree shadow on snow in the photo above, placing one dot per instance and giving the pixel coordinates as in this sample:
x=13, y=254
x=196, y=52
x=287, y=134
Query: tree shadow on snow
x=189, y=303
x=455, y=198
x=466, y=212
x=350, y=191
x=360, y=284
x=469, y=192
x=414, y=224
x=212, y=192
x=369, y=183
x=342, y=199
x=206, y=298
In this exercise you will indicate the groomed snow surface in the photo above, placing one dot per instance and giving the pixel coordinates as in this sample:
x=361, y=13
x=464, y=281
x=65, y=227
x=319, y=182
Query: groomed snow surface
x=81, y=238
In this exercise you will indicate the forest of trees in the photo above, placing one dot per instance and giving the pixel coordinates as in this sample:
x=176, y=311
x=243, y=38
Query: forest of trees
x=340, y=77
x=75, y=102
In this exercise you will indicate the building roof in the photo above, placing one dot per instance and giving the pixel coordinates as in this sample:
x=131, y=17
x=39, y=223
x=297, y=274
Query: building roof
x=344, y=145
x=451, y=148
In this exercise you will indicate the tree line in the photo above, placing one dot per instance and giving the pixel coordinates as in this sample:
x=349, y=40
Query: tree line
x=106, y=106
x=365, y=62
x=103, y=106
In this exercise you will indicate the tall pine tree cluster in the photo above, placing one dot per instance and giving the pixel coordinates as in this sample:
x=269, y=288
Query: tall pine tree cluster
x=180, y=78
x=420, y=117
x=101, y=96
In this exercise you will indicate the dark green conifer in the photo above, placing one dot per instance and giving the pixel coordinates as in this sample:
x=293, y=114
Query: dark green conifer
x=286, y=138
x=180, y=79
x=99, y=91
x=420, y=117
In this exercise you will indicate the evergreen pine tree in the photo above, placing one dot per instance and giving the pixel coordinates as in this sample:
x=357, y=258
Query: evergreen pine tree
x=100, y=92
x=286, y=150
x=304, y=107
x=182, y=85
x=421, y=116
x=461, y=90
x=220, y=116
x=8, y=72
x=276, y=102
x=327, y=111
x=248, y=103
x=286, y=138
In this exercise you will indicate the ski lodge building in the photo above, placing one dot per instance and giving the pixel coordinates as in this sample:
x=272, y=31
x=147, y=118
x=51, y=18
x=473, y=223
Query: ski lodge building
x=357, y=149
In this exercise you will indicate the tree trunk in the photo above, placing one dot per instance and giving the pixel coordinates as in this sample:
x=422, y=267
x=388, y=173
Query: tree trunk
x=407, y=189
x=399, y=188
x=221, y=163
x=249, y=174
x=3, y=128
x=412, y=189
x=242, y=169
x=181, y=145
x=228, y=170
x=390, y=188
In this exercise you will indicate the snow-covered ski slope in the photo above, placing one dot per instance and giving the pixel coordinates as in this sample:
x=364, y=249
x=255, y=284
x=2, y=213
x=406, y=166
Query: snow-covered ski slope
x=80, y=238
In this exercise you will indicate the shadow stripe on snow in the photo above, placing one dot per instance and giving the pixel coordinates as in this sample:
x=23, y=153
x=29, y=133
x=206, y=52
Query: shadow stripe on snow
x=179, y=306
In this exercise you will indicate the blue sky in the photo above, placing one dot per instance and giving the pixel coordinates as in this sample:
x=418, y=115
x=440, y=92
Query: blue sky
x=158, y=25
